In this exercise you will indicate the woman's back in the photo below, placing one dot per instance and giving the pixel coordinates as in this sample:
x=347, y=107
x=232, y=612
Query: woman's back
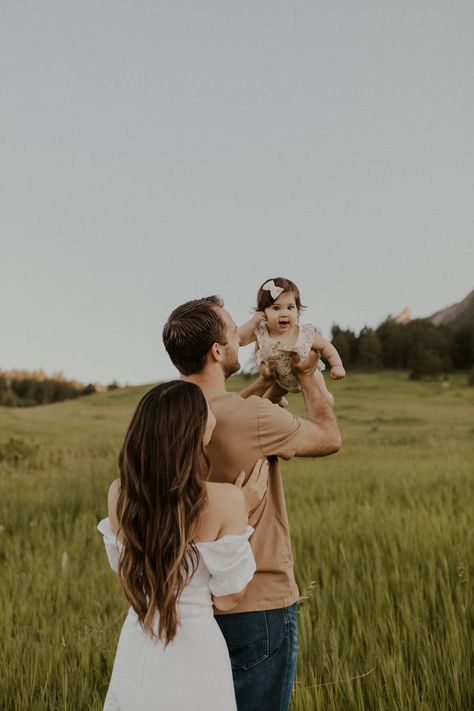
x=178, y=545
x=223, y=514
x=192, y=671
x=221, y=541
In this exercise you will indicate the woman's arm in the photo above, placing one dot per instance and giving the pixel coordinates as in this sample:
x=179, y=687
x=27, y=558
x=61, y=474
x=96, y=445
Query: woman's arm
x=330, y=354
x=112, y=498
x=234, y=522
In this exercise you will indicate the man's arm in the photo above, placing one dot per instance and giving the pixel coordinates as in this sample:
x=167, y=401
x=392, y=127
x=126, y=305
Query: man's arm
x=259, y=387
x=284, y=435
x=263, y=386
x=319, y=434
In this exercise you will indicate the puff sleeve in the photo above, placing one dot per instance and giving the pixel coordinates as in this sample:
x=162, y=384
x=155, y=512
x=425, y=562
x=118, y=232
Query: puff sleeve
x=113, y=547
x=230, y=562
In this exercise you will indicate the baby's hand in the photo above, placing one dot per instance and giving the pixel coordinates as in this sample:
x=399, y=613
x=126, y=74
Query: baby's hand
x=258, y=317
x=338, y=372
x=246, y=332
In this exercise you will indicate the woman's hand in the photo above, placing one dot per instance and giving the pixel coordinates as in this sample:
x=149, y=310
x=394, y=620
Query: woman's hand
x=255, y=487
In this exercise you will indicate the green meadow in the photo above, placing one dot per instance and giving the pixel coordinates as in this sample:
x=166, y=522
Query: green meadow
x=382, y=534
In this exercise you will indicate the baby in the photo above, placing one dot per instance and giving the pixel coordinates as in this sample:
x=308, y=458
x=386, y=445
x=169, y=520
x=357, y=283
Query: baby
x=277, y=333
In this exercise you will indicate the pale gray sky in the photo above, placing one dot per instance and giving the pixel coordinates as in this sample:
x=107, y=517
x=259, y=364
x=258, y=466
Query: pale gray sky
x=158, y=151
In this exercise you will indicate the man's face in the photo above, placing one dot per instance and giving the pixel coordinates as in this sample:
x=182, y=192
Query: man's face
x=230, y=362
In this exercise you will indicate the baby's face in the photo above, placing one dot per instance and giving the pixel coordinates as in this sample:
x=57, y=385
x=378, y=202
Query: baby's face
x=282, y=315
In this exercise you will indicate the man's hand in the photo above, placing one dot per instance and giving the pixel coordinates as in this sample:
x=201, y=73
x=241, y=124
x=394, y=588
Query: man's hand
x=256, y=485
x=267, y=372
x=305, y=367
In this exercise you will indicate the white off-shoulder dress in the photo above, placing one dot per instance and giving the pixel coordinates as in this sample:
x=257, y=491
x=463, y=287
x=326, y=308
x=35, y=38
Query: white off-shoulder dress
x=193, y=673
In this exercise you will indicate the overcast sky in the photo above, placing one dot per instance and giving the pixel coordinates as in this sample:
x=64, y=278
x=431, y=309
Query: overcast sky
x=155, y=152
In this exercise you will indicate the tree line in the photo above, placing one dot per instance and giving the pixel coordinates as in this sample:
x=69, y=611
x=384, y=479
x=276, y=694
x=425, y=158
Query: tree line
x=22, y=389
x=419, y=346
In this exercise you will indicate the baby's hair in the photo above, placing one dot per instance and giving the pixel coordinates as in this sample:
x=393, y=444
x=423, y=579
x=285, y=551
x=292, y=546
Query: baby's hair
x=265, y=299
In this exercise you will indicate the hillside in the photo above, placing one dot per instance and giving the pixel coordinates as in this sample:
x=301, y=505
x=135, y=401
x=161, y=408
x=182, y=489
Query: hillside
x=458, y=314
x=381, y=534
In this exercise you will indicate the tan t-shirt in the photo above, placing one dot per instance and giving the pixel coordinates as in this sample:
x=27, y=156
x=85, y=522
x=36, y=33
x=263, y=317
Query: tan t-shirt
x=248, y=430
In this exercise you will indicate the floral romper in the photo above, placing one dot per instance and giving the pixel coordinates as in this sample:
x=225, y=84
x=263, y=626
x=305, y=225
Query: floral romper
x=269, y=348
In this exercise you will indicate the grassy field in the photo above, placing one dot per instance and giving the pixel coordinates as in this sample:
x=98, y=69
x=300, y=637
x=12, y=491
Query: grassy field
x=382, y=534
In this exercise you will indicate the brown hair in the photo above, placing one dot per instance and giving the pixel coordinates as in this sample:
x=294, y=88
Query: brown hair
x=265, y=299
x=162, y=495
x=190, y=332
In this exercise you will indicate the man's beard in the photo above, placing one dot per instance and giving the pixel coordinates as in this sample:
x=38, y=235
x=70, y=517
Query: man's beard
x=230, y=363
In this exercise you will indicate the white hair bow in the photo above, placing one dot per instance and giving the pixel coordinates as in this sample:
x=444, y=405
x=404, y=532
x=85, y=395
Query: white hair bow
x=274, y=290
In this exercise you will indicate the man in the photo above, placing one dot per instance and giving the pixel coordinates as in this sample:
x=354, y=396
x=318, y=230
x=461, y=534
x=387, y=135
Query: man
x=261, y=632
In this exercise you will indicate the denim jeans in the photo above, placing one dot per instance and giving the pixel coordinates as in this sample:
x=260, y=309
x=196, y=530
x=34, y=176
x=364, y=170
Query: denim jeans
x=263, y=648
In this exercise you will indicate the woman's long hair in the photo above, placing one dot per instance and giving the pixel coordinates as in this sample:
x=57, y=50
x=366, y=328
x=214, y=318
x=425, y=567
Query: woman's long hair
x=162, y=495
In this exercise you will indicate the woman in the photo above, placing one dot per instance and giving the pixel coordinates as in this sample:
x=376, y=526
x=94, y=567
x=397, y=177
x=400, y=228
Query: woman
x=180, y=545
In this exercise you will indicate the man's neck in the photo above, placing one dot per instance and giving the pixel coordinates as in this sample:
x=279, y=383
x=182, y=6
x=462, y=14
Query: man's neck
x=210, y=380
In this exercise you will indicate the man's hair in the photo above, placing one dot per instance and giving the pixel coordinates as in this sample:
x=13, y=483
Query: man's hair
x=190, y=332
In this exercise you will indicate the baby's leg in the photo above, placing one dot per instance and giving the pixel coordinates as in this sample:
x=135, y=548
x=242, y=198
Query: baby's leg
x=322, y=386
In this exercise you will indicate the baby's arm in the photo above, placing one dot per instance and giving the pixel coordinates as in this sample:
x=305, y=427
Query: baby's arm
x=246, y=332
x=330, y=354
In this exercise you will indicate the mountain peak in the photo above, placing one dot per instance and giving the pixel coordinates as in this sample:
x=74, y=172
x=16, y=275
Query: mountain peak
x=403, y=317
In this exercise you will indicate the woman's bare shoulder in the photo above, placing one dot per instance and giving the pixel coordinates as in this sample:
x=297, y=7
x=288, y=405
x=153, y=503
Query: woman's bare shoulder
x=224, y=503
x=114, y=491
x=223, y=494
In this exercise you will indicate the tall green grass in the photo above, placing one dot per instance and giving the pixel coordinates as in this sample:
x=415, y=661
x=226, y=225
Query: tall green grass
x=382, y=535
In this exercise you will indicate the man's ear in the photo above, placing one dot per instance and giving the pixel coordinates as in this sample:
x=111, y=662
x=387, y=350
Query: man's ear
x=216, y=351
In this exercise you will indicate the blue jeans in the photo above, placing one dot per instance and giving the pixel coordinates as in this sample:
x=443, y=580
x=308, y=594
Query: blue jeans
x=263, y=648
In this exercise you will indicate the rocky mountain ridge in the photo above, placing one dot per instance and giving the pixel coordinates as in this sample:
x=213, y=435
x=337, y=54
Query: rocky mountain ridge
x=458, y=314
